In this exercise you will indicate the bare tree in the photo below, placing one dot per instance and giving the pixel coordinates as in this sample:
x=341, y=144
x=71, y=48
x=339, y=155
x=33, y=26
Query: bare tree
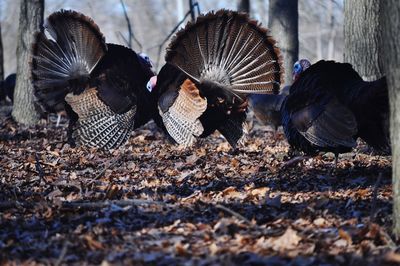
x=192, y=13
x=332, y=30
x=244, y=6
x=390, y=19
x=284, y=25
x=362, y=37
x=1, y=57
x=30, y=21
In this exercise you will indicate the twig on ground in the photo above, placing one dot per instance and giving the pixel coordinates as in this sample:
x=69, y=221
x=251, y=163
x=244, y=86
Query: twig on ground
x=39, y=168
x=388, y=239
x=374, y=198
x=233, y=213
x=107, y=203
x=62, y=254
x=101, y=173
x=295, y=160
x=86, y=205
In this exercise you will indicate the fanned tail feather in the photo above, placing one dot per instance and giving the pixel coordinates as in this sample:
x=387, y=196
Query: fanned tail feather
x=98, y=125
x=228, y=48
x=73, y=50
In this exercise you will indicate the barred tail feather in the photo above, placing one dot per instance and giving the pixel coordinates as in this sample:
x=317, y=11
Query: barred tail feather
x=228, y=48
x=98, y=125
x=73, y=50
x=181, y=119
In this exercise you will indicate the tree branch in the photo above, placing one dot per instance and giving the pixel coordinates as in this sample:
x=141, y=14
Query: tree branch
x=174, y=30
x=130, y=31
x=85, y=205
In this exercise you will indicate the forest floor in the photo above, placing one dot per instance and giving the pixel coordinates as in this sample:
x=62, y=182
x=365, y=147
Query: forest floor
x=153, y=203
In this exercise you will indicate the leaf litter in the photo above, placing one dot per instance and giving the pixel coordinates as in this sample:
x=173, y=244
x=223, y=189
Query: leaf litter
x=155, y=203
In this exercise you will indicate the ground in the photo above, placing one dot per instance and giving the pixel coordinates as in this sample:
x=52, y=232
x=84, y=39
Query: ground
x=154, y=203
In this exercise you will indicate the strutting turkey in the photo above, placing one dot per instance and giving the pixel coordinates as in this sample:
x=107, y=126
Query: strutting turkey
x=330, y=106
x=102, y=85
x=7, y=88
x=212, y=66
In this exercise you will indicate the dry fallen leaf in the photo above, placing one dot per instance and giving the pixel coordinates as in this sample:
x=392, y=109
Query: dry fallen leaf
x=288, y=241
x=344, y=235
x=93, y=244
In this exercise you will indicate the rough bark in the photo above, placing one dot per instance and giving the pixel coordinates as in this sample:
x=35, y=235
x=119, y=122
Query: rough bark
x=244, y=6
x=1, y=57
x=362, y=36
x=390, y=19
x=31, y=20
x=284, y=25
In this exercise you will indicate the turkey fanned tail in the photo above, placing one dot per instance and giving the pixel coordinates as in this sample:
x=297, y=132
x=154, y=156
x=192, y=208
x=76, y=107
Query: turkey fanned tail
x=74, y=48
x=230, y=49
x=98, y=125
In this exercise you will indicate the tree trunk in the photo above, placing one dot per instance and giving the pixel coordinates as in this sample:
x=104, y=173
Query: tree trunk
x=244, y=6
x=1, y=57
x=390, y=22
x=30, y=21
x=284, y=25
x=362, y=36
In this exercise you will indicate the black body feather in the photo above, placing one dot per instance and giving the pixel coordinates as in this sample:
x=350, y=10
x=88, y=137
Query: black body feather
x=7, y=87
x=330, y=105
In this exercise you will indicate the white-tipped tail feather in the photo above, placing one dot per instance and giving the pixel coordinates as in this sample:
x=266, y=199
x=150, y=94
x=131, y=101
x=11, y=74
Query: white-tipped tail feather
x=74, y=49
x=230, y=49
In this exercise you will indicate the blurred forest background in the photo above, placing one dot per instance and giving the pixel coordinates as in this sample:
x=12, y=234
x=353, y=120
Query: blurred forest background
x=320, y=23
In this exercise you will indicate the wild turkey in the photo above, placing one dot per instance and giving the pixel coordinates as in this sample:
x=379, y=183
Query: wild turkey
x=212, y=65
x=330, y=105
x=7, y=88
x=102, y=85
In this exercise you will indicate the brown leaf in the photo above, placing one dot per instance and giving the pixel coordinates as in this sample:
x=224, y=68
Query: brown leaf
x=319, y=222
x=288, y=241
x=260, y=192
x=346, y=236
x=392, y=257
x=192, y=159
x=181, y=250
x=93, y=244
